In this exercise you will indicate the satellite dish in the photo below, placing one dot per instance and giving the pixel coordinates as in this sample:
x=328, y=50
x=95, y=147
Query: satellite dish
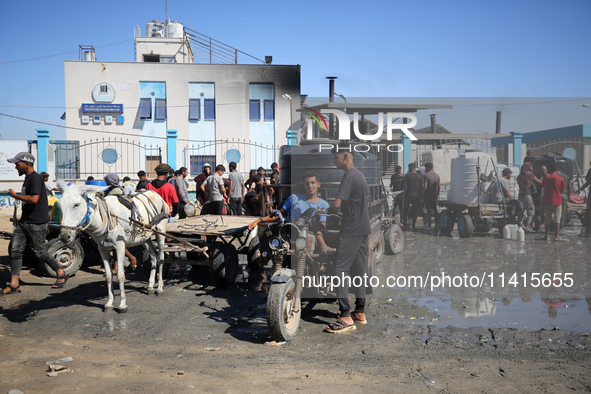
x=569, y=153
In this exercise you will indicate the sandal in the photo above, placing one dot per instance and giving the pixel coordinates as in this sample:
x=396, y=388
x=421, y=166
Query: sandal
x=358, y=321
x=339, y=326
x=13, y=290
x=60, y=285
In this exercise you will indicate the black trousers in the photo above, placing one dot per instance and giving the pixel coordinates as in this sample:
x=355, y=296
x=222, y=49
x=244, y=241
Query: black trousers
x=35, y=234
x=411, y=207
x=213, y=208
x=431, y=206
x=236, y=206
x=351, y=261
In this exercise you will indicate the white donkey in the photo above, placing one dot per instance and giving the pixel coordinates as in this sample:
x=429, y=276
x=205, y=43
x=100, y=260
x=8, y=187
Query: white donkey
x=106, y=220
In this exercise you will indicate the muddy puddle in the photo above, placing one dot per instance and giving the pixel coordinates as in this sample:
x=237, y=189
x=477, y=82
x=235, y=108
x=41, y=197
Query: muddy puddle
x=486, y=281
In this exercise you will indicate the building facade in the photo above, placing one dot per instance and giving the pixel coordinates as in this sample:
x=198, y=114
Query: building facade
x=170, y=109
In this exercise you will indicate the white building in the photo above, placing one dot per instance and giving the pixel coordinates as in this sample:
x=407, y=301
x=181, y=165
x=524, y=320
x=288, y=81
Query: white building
x=220, y=112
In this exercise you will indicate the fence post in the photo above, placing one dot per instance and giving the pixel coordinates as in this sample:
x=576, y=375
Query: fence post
x=42, y=142
x=406, y=151
x=517, y=139
x=171, y=136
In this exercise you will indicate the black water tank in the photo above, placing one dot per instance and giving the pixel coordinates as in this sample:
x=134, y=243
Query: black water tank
x=565, y=165
x=297, y=160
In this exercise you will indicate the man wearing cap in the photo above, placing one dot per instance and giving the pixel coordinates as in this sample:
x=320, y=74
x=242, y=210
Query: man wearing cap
x=32, y=227
x=199, y=179
x=499, y=194
x=164, y=188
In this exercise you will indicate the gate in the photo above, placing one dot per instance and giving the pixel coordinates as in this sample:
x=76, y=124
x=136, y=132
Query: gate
x=247, y=155
x=96, y=158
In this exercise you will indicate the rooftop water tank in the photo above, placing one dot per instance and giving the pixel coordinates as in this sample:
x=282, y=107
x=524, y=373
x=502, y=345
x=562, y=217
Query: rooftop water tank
x=155, y=29
x=175, y=29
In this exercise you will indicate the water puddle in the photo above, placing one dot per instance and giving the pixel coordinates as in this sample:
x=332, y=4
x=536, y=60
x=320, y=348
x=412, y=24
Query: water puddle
x=108, y=326
x=486, y=281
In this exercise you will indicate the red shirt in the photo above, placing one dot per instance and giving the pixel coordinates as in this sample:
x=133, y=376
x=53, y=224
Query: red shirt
x=166, y=191
x=553, y=185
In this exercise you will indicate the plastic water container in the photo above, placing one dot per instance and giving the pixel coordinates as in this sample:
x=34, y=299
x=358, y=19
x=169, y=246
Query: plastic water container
x=520, y=234
x=506, y=232
x=514, y=229
x=464, y=177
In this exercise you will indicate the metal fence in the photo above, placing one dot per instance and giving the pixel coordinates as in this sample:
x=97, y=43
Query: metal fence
x=96, y=158
x=579, y=150
x=247, y=155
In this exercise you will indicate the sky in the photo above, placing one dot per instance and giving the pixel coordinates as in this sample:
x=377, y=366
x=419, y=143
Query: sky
x=412, y=49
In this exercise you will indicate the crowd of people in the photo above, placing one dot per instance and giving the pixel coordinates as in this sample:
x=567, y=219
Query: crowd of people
x=215, y=193
x=546, y=197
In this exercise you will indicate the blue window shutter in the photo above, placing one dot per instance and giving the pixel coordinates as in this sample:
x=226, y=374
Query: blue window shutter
x=145, y=109
x=160, y=109
x=194, y=109
x=209, y=109
x=269, y=109
x=255, y=109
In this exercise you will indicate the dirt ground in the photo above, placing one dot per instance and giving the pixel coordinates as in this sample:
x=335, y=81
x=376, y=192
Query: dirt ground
x=198, y=337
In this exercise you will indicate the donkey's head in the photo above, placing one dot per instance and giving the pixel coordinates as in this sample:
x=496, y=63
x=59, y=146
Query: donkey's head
x=74, y=209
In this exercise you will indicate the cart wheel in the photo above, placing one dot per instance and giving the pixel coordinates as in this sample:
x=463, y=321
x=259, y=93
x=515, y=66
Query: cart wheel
x=282, y=321
x=380, y=248
x=224, y=268
x=69, y=257
x=465, y=225
x=394, y=240
x=446, y=222
x=253, y=255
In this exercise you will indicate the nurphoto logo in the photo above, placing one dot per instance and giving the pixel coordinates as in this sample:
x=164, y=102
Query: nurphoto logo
x=345, y=129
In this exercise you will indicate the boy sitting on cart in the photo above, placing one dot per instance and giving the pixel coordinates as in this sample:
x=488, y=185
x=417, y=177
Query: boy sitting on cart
x=297, y=204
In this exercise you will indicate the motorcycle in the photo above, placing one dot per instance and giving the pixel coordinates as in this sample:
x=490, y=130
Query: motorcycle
x=291, y=246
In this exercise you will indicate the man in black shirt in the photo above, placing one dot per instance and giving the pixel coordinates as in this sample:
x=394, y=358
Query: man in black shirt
x=32, y=226
x=413, y=194
x=351, y=256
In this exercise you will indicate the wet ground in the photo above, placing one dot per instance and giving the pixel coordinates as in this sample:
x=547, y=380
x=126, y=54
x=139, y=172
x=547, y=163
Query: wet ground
x=494, y=282
x=198, y=337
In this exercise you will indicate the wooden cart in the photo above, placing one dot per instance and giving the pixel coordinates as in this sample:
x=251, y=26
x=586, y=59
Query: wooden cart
x=223, y=236
x=471, y=218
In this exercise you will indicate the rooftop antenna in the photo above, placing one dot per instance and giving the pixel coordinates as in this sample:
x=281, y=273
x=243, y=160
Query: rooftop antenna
x=166, y=9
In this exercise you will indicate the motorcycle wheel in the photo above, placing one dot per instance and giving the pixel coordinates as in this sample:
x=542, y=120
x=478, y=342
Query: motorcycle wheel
x=282, y=327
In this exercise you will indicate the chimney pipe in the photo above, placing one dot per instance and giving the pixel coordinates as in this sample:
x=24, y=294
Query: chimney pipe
x=498, y=128
x=433, y=124
x=331, y=130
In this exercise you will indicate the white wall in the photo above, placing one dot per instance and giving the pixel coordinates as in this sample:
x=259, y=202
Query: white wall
x=231, y=92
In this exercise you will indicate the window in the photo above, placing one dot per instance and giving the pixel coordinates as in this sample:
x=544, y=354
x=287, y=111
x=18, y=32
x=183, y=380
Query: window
x=255, y=110
x=151, y=58
x=194, y=109
x=145, y=109
x=209, y=109
x=167, y=59
x=196, y=163
x=269, y=109
x=160, y=109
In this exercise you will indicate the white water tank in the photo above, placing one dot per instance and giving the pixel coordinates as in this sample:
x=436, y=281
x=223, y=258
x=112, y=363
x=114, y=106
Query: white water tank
x=441, y=159
x=175, y=29
x=464, y=177
x=155, y=29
